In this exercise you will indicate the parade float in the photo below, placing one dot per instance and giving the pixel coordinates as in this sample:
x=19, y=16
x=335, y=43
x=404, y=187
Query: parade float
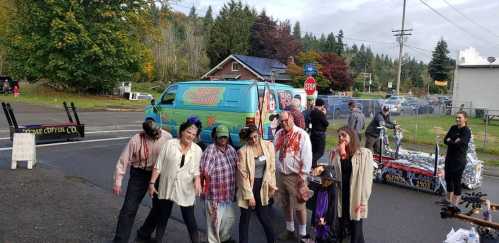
x=420, y=170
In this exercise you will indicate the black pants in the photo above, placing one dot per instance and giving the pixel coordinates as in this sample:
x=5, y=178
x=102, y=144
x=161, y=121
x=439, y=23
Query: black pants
x=318, y=140
x=262, y=212
x=453, y=181
x=165, y=209
x=373, y=144
x=136, y=190
x=353, y=227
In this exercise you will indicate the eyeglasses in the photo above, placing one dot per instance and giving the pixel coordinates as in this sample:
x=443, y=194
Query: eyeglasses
x=283, y=121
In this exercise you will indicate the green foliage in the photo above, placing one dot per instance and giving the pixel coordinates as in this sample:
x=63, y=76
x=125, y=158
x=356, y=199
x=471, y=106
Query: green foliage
x=230, y=33
x=440, y=64
x=86, y=46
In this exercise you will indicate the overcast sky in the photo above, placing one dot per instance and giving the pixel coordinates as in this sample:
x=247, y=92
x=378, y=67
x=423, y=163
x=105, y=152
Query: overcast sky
x=374, y=20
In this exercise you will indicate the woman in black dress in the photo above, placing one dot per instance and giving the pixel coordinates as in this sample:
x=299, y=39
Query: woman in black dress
x=457, y=140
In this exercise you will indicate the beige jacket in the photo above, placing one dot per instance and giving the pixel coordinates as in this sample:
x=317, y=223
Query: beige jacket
x=246, y=174
x=360, y=183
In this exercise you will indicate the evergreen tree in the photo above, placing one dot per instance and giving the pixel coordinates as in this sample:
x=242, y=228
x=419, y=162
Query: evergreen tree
x=297, y=30
x=262, y=38
x=231, y=31
x=208, y=19
x=339, y=47
x=440, y=65
x=330, y=45
x=192, y=13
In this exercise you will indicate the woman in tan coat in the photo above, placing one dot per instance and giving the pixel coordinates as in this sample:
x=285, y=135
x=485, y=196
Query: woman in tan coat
x=354, y=167
x=256, y=182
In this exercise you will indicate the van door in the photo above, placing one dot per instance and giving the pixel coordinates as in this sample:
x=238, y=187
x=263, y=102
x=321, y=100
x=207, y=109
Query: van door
x=167, y=110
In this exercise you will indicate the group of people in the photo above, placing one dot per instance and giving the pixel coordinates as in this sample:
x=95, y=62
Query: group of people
x=174, y=171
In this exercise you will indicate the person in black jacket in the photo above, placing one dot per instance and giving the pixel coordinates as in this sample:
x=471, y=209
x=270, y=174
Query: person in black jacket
x=318, y=131
x=373, y=132
x=457, y=140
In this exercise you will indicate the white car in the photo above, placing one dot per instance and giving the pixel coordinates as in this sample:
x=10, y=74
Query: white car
x=394, y=103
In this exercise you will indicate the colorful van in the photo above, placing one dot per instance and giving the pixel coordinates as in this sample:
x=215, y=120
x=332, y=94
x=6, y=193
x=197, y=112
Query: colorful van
x=233, y=103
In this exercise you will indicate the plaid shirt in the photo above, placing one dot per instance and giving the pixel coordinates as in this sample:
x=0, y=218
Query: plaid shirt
x=218, y=173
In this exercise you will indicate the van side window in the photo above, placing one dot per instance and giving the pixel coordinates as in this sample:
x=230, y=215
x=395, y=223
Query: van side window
x=169, y=97
x=285, y=98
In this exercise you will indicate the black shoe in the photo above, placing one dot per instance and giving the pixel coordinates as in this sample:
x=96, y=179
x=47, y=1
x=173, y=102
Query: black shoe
x=305, y=239
x=229, y=241
x=142, y=237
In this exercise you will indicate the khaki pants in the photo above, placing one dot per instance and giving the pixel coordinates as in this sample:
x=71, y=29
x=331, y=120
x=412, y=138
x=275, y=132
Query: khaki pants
x=287, y=192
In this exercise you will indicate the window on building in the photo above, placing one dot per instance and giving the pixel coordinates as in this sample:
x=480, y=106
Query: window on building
x=236, y=66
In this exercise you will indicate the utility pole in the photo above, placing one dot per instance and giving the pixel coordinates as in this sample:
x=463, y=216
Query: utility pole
x=400, y=35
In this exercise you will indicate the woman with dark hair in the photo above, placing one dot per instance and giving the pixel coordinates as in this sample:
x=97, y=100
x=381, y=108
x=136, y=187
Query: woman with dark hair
x=178, y=165
x=140, y=154
x=256, y=182
x=353, y=165
x=457, y=140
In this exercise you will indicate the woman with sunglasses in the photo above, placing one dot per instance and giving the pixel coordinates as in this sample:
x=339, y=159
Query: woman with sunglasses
x=354, y=167
x=256, y=182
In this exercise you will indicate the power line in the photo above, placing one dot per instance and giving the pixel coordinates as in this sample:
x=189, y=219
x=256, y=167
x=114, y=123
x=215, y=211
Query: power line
x=451, y=22
x=471, y=20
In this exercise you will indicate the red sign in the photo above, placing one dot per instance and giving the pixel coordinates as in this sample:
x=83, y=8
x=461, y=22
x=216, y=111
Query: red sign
x=310, y=85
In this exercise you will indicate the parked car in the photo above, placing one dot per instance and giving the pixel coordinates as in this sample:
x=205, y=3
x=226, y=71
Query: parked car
x=394, y=103
x=414, y=105
x=337, y=106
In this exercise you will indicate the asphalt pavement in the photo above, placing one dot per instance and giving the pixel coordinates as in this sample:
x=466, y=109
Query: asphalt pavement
x=395, y=214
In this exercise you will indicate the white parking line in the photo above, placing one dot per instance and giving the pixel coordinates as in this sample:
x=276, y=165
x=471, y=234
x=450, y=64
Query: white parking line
x=75, y=142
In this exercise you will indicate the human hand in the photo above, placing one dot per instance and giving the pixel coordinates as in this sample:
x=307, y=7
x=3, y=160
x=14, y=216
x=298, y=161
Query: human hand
x=197, y=187
x=318, y=170
x=272, y=190
x=151, y=190
x=117, y=189
x=252, y=203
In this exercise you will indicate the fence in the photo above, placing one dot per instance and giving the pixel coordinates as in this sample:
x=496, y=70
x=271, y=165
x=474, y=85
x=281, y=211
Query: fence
x=426, y=124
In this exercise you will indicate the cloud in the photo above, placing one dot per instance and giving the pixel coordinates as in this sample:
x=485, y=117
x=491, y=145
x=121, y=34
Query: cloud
x=374, y=20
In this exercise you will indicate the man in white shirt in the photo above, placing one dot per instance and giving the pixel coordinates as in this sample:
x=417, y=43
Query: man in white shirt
x=293, y=160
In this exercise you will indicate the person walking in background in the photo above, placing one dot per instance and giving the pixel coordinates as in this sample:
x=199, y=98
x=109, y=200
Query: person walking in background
x=256, y=182
x=318, y=132
x=294, y=161
x=353, y=165
x=456, y=139
x=307, y=111
x=178, y=165
x=294, y=110
x=218, y=178
x=382, y=119
x=140, y=154
x=356, y=120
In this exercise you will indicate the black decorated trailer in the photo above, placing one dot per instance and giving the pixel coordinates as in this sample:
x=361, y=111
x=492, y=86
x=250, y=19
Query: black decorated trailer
x=70, y=130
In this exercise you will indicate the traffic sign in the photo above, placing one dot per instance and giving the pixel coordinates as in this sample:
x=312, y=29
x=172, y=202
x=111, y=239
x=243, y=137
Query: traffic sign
x=310, y=85
x=309, y=69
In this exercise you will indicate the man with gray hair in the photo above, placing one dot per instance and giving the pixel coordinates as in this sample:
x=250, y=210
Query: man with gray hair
x=356, y=120
x=293, y=162
x=294, y=110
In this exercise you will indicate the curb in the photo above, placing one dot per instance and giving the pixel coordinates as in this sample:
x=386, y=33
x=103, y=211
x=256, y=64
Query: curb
x=124, y=109
x=491, y=171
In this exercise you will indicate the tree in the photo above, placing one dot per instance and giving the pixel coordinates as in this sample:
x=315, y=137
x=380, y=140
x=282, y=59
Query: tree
x=84, y=45
x=263, y=36
x=334, y=69
x=230, y=32
x=192, y=13
x=297, y=30
x=339, y=46
x=208, y=19
x=440, y=65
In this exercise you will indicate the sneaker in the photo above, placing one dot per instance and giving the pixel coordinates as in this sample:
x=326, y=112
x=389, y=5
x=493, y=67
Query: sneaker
x=288, y=235
x=306, y=239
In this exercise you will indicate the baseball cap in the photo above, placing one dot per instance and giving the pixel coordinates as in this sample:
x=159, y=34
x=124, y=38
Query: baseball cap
x=222, y=131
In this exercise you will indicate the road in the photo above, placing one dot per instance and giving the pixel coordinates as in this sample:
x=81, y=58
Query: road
x=395, y=214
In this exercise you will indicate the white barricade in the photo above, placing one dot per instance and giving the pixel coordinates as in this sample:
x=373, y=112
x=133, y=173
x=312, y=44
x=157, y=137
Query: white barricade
x=23, y=149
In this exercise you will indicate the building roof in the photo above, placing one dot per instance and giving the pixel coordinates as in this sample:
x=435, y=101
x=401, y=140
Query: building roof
x=261, y=67
x=480, y=66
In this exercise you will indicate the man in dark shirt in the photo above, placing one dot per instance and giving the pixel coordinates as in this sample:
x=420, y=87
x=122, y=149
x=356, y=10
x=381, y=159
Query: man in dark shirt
x=373, y=132
x=307, y=111
x=318, y=131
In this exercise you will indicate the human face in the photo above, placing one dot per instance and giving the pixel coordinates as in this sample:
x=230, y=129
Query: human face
x=286, y=122
x=222, y=141
x=461, y=120
x=189, y=134
x=343, y=137
x=253, y=138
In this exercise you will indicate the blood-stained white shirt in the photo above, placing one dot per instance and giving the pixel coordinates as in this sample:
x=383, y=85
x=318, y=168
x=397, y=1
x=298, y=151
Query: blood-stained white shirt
x=293, y=151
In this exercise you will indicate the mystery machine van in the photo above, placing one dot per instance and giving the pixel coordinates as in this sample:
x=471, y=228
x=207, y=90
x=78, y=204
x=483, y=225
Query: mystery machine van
x=235, y=104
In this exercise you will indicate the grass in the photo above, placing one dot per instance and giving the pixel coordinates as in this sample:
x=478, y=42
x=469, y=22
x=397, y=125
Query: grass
x=40, y=94
x=372, y=95
x=423, y=130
